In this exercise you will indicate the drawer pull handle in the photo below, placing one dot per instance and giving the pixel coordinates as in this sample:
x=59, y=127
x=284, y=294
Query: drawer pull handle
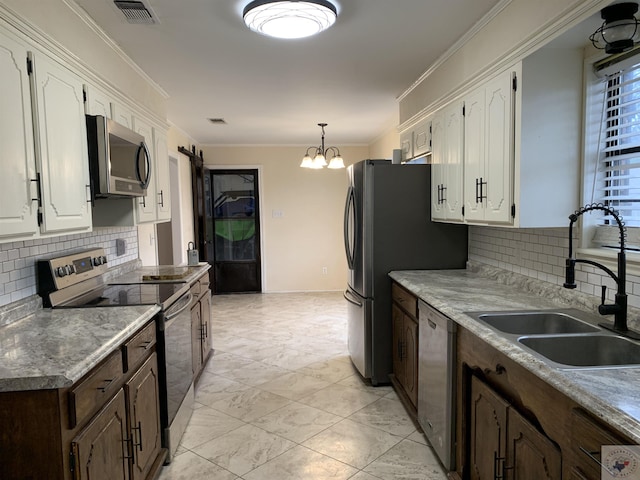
x=105, y=386
x=591, y=455
x=146, y=345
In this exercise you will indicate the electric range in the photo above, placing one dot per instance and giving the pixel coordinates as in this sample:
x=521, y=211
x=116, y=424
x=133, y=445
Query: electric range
x=76, y=281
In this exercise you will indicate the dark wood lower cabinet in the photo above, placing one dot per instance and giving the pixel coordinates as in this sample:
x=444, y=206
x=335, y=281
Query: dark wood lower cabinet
x=200, y=324
x=74, y=434
x=488, y=430
x=404, y=311
x=101, y=450
x=504, y=445
x=143, y=409
x=530, y=454
x=512, y=425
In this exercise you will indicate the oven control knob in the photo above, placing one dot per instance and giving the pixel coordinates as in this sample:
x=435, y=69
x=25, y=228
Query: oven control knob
x=61, y=271
x=97, y=261
x=71, y=269
x=103, y=259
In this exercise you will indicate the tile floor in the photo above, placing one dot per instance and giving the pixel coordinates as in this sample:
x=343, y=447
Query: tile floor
x=281, y=400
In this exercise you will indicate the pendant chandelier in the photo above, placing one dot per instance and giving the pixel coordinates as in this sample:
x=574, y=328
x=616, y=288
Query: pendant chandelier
x=289, y=19
x=319, y=159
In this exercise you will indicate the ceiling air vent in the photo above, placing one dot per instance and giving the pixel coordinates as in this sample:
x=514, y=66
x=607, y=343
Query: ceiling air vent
x=218, y=121
x=135, y=12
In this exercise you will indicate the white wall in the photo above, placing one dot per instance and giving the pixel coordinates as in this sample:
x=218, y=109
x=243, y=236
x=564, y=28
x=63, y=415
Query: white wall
x=308, y=236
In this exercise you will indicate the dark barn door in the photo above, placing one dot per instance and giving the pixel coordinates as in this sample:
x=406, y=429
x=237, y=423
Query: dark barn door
x=236, y=231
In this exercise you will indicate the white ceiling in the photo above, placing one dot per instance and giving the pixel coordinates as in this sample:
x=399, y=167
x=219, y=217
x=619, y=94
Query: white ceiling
x=275, y=92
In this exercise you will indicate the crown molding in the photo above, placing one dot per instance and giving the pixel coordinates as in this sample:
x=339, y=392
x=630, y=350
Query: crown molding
x=572, y=15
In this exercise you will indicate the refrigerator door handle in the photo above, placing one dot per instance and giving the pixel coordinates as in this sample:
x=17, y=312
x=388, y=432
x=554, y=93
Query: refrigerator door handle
x=349, y=298
x=349, y=207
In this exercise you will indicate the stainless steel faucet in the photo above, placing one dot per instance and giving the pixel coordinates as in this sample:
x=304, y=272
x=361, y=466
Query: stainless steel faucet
x=619, y=307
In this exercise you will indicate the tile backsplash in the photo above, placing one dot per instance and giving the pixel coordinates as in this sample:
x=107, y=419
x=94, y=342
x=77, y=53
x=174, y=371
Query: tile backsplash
x=541, y=253
x=18, y=259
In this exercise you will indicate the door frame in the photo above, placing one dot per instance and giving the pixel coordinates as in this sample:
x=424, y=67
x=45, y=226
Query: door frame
x=263, y=280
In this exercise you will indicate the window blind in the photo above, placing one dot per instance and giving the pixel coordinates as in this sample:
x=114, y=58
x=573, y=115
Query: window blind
x=619, y=155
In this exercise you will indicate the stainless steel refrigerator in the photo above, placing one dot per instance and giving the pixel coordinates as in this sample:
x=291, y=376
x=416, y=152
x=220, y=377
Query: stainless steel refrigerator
x=387, y=226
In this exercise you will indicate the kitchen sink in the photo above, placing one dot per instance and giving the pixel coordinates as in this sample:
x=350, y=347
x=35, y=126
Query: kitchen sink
x=535, y=322
x=585, y=350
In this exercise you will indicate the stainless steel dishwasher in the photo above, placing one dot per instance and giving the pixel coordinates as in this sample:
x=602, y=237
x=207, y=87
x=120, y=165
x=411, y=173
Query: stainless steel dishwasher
x=436, y=381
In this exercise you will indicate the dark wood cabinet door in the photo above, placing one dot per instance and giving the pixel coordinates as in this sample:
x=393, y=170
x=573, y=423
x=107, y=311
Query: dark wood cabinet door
x=488, y=431
x=397, y=325
x=196, y=342
x=143, y=405
x=530, y=454
x=410, y=328
x=100, y=450
x=205, y=319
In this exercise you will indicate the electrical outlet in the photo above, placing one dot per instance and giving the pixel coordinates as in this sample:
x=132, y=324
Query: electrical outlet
x=324, y=270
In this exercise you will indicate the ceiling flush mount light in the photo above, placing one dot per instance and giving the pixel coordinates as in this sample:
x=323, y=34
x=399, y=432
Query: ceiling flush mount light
x=289, y=19
x=619, y=31
x=319, y=159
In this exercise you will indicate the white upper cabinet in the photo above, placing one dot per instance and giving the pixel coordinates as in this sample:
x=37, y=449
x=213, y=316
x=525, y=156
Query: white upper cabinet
x=488, y=151
x=96, y=102
x=447, y=130
x=416, y=141
x=18, y=182
x=146, y=206
x=520, y=141
x=406, y=144
x=61, y=147
x=122, y=115
x=163, y=180
x=422, y=138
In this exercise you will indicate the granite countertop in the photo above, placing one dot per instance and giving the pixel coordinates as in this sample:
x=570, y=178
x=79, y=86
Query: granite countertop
x=53, y=348
x=161, y=274
x=613, y=395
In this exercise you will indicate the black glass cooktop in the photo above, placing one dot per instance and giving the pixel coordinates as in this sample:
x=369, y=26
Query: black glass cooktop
x=135, y=294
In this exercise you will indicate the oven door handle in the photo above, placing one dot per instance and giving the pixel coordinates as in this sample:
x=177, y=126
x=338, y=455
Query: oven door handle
x=171, y=313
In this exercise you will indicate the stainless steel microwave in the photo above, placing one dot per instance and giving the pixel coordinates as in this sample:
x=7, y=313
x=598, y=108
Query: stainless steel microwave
x=119, y=160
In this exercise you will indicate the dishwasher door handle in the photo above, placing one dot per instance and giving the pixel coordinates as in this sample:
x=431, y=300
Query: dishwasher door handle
x=349, y=298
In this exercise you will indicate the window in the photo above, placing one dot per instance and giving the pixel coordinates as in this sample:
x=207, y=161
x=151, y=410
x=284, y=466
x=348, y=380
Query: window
x=618, y=179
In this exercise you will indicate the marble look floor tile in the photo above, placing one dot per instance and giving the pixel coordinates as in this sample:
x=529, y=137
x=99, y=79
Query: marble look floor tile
x=294, y=385
x=332, y=370
x=292, y=359
x=410, y=460
x=297, y=422
x=302, y=463
x=385, y=414
x=363, y=476
x=250, y=404
x=255, y=374
x=418, y=437
x=339, y=400
x=224, y=361
x=190, y=466
x=244, y=449
x=352, y=443
x=218, y=388
x=356, y=381
x=207, y=424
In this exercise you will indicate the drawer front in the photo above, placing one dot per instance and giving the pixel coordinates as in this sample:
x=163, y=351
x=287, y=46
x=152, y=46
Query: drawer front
x=587, y=440
x=93, y=392
x=406, y=300
x=200, y=286
x=139, y=347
